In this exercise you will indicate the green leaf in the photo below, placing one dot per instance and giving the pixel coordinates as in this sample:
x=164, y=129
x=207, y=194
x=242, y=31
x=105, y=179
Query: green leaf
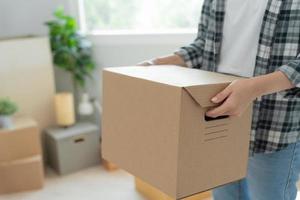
x=7, y=107
x=71, y=51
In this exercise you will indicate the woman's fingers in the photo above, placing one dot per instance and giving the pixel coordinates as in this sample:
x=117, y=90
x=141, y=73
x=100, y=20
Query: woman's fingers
x=144, y=63
x=221, y=96
x=223, y=109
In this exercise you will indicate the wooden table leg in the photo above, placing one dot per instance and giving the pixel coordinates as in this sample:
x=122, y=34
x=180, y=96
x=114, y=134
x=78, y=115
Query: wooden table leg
x=152, y=193
x=109, y=166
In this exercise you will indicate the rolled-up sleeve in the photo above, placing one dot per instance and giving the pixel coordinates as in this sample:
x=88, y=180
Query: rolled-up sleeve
x=292, y=71
x=192, y=54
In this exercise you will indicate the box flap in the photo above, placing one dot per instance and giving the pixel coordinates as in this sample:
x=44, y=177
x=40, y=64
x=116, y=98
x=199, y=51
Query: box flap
x=173, y=75
x=203, y=94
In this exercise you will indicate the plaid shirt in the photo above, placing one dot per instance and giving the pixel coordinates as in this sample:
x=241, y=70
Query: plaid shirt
x=276, y=117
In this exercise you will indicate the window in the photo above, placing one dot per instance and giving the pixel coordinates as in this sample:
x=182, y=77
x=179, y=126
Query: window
x=141, y=15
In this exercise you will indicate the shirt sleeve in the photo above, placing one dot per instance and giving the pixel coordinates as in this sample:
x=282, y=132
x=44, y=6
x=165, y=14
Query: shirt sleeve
x=192, y=53
x=292, y=71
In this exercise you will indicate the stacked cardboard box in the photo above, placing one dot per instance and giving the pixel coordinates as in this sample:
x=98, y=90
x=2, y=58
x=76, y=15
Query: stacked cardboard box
x=154, y=126
x=21, y=165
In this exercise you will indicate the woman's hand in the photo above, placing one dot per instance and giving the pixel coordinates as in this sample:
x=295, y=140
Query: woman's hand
x=147, y=63
x=173, y=59
x=240, y=93
x=236, y=97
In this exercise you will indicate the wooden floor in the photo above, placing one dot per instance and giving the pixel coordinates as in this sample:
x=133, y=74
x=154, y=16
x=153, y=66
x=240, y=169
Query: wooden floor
x=92, y=184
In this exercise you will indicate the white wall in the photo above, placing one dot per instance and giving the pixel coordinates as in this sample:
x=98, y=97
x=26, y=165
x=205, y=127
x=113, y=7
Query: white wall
x=27, y=17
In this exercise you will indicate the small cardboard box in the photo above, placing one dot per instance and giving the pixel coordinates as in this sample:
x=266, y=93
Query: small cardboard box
x=154, y=126
x=21, y=141
x=21, y=165
x=22, y=174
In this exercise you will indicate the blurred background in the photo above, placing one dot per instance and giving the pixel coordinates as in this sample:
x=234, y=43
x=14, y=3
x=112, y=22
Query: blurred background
x=121, y=32
x=51, y=56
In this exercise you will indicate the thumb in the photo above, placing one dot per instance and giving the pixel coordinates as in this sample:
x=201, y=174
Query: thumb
x=221, y=96
x=144, y=63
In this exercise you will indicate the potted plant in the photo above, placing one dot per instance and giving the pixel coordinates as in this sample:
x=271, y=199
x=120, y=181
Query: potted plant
x=7, y=109
x=71, y=51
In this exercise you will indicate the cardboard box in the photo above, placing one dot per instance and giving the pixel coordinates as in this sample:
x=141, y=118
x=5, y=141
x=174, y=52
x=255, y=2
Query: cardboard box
x=22, y=174
x=20, y=142
x=21, y=165
x=154, y=126
x=152, y=193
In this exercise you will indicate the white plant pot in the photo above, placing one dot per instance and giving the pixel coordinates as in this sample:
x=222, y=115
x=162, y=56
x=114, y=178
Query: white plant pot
x=6, y=122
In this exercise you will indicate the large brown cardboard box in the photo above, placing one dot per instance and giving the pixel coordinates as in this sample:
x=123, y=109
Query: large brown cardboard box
x=154, y=126
x=21, y=163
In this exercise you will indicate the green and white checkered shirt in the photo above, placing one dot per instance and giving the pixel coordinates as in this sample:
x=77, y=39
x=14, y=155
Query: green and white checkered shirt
x=276, y=117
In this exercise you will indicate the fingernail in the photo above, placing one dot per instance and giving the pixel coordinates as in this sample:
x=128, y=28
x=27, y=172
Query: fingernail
x=214, y=99
x=208, y=114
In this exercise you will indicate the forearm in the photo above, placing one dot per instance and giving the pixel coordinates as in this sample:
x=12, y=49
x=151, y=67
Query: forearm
x=236, y=97
x=270, y=83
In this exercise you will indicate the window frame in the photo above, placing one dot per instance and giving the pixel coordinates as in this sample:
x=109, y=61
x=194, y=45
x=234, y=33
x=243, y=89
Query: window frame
x=131, y=38
x=117, y=37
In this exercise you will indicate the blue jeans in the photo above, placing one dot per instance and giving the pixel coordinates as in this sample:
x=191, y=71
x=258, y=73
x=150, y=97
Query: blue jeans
x=270, y=177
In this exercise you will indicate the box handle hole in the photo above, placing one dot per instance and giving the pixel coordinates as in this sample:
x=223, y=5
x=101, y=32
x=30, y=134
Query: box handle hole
x=79, y=140
x=207, y=118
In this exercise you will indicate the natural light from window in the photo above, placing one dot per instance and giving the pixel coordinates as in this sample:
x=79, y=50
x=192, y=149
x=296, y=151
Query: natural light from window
x=141, y=15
